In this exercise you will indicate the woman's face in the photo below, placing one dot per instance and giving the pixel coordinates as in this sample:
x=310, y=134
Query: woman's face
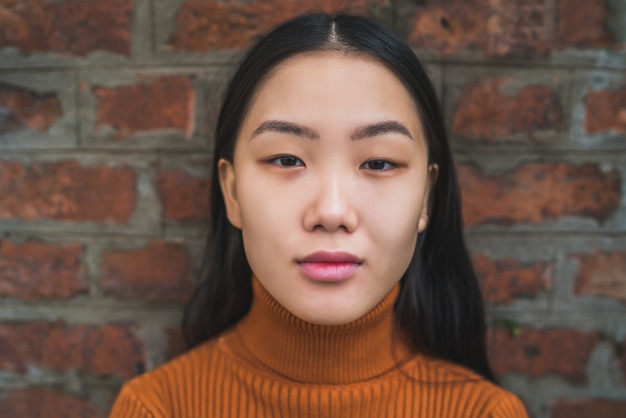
x=329, y=185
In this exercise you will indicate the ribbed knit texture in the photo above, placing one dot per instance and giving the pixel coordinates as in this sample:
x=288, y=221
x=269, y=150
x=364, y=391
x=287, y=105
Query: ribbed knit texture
x=273, y=364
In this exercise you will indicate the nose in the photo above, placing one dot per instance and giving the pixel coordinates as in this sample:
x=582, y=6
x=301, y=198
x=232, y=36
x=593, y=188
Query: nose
x=331, y=207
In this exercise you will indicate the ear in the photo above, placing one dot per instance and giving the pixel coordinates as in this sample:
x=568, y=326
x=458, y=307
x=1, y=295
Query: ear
x=226, y=172
x=433, y=173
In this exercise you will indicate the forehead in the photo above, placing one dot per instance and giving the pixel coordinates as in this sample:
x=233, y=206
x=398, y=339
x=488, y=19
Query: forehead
x=332, y=85
x=313, y=68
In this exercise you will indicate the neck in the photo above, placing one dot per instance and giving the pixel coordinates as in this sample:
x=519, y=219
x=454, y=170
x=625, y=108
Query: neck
x=286, y=345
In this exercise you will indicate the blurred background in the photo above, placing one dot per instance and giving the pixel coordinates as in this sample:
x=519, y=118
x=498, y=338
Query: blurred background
x=106, y=112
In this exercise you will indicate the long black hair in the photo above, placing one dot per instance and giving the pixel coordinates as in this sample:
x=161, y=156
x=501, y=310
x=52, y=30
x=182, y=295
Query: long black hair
x=440, y=305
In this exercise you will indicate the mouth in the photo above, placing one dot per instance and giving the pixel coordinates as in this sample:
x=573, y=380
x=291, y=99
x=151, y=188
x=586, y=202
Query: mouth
x=325, y=266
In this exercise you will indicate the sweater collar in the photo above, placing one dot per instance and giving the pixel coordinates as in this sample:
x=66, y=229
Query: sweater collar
x=278, y=341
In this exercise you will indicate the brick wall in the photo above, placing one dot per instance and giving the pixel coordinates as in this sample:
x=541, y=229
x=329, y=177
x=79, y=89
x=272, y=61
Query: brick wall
x=105, y=146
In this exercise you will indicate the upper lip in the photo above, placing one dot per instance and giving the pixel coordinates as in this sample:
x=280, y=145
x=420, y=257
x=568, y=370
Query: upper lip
x=331, y=257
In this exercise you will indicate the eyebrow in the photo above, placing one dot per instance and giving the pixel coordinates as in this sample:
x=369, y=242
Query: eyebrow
x=285, y=128
x=364, y=132
x=381, y=128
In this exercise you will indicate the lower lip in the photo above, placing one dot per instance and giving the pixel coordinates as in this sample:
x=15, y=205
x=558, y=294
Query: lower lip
x=329, y=272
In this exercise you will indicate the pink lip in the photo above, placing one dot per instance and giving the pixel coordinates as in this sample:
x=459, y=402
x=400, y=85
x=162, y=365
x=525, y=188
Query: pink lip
x=329, y=266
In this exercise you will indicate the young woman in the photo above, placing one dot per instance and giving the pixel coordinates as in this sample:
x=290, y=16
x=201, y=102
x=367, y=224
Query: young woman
x=337, y=283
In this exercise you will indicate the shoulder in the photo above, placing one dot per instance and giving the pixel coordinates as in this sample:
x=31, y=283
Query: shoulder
x=198, y=360
x=151, y=394
x=472, y=393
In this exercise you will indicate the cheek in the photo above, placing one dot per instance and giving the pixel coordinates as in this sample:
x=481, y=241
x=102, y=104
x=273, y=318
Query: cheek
x=256, y=210
x=258, y=230
x=397, y=234
x=396, y=208
x=267, y=213
x=393, y=223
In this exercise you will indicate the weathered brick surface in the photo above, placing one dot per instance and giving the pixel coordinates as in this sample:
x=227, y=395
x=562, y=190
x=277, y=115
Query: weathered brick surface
x=23, y=109
x=602, y=274
x=183, y=197
x=38, y=270
x=212, y=24
x=606, y=111
x=166, y=102
x=161, y=271
x=106, y=120
x=524, y=28
x=540, y=352
x=105, y=350
x=538, y=192
x=484, y=111
x=46, y=403
x=68, y=26
x=521, y=28
x=596, y=408
x=449, y=27
x=514, y=28
x=505, y=279
x=66, y=191
x=582, y=23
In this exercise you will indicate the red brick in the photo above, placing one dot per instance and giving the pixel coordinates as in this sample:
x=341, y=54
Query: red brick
x=483, y=111
x=176, y=344
x=38, y=270
x=66, y=191
x=22, y=109
x=69, y=26
x=582, y=24
x=511, y=28
x=540, y=352
x=213, y=24
x=605, y=110
x=585, y=408
x=538, y=192
x=161, y=271
x=449, y=28
x=165, y=103
x=518, y=28
x=602, y=274
x=505, y=279
x=46, y=403
x=183, y=197
x=106, y=350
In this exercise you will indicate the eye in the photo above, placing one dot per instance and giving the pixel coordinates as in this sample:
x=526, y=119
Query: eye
x=378, y=165
x=286, y=161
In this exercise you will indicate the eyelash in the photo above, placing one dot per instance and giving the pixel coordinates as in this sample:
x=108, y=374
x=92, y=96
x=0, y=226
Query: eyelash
x=281, y=159
x=287, y=161
x=387, y=165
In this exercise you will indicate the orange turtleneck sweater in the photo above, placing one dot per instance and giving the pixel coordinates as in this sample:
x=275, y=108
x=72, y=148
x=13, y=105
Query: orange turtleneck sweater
x=273, y=364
